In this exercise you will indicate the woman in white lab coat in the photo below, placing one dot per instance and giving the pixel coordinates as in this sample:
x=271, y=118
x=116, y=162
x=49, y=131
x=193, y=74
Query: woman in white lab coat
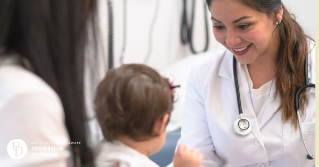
x=270, y=49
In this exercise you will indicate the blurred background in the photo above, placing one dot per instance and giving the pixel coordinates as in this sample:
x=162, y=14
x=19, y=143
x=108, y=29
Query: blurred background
x=168, y=35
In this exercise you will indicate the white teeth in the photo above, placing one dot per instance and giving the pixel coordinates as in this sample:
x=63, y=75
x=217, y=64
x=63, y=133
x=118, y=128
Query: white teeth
x=238, y=50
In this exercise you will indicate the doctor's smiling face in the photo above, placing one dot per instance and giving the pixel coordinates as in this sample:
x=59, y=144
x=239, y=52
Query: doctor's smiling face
x=249, y=34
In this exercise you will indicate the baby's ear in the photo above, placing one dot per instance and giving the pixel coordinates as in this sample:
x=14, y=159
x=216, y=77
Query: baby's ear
x=160, y=125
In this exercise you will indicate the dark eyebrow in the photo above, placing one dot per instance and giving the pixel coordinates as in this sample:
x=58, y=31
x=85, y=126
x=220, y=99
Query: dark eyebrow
x=244, y=17
x=215, y=19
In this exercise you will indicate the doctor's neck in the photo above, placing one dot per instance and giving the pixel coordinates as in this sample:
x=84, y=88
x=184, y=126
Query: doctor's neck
x=264, y=68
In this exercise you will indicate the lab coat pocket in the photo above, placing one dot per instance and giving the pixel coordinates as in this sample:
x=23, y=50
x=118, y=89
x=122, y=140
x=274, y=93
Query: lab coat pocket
x=308, y=128
x=295, y=153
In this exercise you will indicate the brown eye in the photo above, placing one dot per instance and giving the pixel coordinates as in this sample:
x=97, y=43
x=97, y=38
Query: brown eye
x=218, y=28
x=243, y=27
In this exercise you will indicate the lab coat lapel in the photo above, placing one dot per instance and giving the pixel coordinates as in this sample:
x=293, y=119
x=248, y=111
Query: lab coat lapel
x=226, y=71
x=226, y=66
x=271, y=106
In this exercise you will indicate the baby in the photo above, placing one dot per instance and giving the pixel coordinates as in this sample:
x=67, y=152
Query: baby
x=133, y=106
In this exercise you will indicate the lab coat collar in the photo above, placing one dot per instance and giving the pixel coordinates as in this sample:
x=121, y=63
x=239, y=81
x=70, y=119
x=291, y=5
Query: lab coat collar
x=226, y=67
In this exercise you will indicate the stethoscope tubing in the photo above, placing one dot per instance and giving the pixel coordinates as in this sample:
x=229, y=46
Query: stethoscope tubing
x=297, y=102
x=309, y=85
x=187, y=29
x=309, y=156
x=240, y=110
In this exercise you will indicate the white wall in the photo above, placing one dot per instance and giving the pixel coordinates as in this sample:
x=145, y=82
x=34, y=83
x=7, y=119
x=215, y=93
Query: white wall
x=166, y=43
x=305, y=14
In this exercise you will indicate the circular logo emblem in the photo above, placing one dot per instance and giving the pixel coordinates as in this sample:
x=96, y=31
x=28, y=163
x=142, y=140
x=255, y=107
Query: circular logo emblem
x=17, y=149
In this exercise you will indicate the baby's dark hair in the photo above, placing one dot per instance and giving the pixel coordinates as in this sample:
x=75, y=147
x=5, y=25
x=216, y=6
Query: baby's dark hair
x=130, y=99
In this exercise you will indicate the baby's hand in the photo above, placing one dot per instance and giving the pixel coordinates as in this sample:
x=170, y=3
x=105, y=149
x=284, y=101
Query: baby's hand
x=187, y=157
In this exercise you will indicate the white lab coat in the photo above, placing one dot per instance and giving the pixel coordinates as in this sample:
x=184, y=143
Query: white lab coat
x=211, y=109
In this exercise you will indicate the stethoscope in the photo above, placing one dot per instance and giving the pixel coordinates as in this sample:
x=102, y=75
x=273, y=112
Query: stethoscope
x=242, y=126
x=188, y=28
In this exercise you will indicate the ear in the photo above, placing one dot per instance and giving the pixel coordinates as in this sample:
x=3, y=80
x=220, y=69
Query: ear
x=278, y=14
x=160, y=125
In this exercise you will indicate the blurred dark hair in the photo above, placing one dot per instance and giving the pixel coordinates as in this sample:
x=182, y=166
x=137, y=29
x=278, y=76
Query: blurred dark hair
x=130, y=99
x=52, y=35
x=293, y=49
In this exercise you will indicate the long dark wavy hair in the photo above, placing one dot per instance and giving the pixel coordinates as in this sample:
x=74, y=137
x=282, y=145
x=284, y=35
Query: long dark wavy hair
x=52, y=35
x=293, y=50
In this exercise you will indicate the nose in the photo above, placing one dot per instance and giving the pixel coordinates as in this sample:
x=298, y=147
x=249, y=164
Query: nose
x=232, y=38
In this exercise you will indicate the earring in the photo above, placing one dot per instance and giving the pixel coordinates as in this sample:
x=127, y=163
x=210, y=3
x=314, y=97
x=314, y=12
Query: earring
x=277, y=22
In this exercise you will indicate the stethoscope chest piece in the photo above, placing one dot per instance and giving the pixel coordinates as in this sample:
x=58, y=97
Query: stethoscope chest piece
x=242, y=126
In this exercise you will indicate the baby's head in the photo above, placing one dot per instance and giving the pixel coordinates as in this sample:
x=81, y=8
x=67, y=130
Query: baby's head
x=134, y=101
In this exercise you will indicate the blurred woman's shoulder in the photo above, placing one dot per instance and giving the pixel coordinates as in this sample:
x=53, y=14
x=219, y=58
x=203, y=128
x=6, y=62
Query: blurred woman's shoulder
x=15, y=79
x=27, y=102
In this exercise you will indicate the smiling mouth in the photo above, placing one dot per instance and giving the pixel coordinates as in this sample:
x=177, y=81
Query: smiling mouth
x=241, y=49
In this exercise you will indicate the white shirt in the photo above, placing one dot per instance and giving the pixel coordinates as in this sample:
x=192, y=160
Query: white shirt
x=114, y=152
x=31, y=111
x=211, y=109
